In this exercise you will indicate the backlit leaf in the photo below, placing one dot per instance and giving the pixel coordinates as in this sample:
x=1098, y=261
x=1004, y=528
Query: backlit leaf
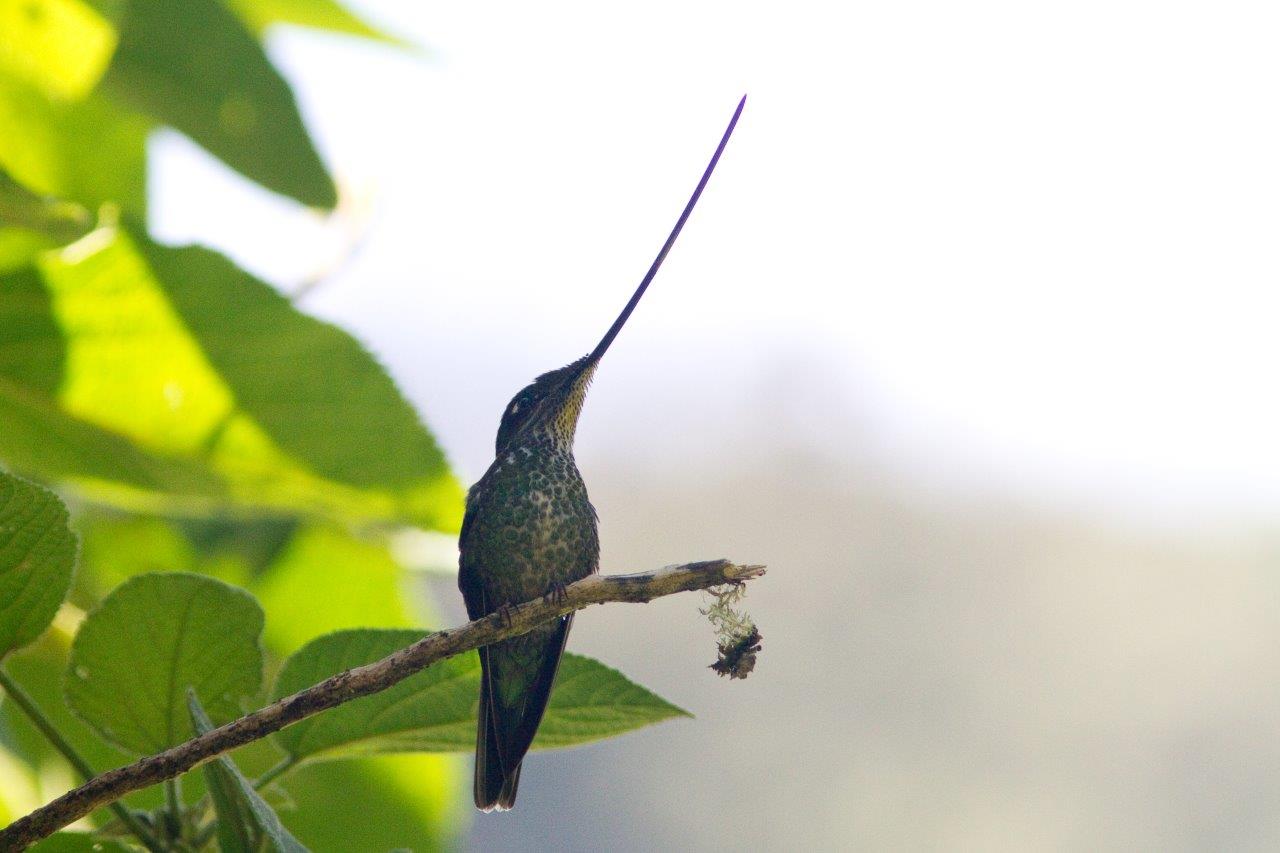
x=194, y=66
x=318, y=14
x=182, y=378
x=61, y=46
x=88, y=151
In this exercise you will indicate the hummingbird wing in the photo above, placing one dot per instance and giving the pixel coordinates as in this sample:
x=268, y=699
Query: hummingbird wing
x=517, y=676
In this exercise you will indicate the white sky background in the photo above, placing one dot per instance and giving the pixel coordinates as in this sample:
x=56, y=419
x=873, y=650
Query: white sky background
x=1033, y=244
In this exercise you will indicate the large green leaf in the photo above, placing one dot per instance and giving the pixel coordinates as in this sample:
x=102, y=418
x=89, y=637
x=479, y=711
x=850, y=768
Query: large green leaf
x=194, y=66
x=435, y=710
x=246, y=824
x=313, y=389
x=151, y=639
x=181, y=376
x=318, y=14
x=37, y=553
x=88, y=151
x=61, y=46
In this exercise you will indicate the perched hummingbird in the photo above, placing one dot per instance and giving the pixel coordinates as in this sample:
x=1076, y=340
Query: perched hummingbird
x=529, y=529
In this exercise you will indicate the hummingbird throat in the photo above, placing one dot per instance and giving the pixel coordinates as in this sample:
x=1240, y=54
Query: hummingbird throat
x=565, y=423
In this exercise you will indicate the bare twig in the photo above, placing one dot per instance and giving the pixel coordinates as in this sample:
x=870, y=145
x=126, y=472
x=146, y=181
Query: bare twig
x=362, y=681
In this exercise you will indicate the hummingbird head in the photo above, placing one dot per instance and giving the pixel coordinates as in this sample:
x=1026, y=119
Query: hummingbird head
x=550, y=405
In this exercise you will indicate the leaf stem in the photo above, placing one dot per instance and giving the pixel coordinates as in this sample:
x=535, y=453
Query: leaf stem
x=29, y=707
x=270, y=775
x=173, y=805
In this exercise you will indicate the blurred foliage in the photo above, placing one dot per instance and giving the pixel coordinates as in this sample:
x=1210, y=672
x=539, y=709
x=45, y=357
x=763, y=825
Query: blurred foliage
x=320, y=14
x=194, y=66
x=418, y=802
x=227, y=396
x=235, y=469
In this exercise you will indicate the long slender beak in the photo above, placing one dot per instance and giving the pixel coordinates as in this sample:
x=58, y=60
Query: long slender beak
x=601, y=347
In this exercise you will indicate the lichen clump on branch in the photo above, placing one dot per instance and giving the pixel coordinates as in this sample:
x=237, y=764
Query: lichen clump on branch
x=738, y=638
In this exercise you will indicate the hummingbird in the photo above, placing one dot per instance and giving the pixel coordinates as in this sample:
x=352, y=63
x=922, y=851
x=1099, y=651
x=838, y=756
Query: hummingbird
x=529, y=529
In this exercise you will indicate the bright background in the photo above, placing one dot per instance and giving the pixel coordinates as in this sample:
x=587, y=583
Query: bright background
x=971, y=339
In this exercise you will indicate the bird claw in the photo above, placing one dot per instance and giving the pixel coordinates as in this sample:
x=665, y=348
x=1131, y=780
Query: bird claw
x=556, y=593
x=505, y=612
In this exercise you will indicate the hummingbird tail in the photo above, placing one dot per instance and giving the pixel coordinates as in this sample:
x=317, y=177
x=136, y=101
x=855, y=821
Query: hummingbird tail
x=503, y=738
x=495, y=790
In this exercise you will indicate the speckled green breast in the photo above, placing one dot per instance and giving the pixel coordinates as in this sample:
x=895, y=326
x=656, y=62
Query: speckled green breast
x=531, y=525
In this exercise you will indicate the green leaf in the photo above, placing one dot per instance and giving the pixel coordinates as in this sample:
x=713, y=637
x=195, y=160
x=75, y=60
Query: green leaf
x=88, y=151
x=314, y=389
x=591, y=701
x=318, y=14
x=78, y=842
x=194, y=66
x=151, y=639
x=435, y=710
x=32, y=352
x=183, y=377
x=61, y=46
x=244, y=818
x=37, y=553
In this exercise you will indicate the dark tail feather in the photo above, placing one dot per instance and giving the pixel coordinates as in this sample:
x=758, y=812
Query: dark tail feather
x=507, y=796
x=495, y=787
x=491, y=787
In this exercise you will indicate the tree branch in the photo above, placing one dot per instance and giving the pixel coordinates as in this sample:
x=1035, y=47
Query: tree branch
x=362, y=681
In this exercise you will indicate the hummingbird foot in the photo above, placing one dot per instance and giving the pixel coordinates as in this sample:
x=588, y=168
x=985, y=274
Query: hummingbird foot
x=505, y=612
x=556, y=593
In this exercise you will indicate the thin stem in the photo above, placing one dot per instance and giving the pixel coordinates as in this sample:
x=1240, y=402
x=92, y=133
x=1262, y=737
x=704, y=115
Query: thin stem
x=173, y=805
x=29, y=707
x=204, y=835
x=282, y=767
